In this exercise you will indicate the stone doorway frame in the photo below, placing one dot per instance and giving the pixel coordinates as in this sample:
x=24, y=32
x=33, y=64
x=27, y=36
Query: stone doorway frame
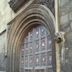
x=17, y=28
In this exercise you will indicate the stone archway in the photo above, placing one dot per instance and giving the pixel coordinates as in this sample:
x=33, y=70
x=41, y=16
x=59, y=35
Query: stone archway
x=35, y=14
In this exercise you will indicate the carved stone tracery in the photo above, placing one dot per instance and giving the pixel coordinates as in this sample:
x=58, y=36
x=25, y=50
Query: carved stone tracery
x=17, y=4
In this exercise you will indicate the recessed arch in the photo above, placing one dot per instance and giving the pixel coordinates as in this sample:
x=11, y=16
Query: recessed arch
x=35, y=14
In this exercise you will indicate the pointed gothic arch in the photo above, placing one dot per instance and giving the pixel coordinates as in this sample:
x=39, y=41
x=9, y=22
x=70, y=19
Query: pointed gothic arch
x=33, y=15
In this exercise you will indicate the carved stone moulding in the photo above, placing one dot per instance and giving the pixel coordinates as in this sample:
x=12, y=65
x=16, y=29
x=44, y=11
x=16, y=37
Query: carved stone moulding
x=33, y=15
x=17, y=4
x=49, y=3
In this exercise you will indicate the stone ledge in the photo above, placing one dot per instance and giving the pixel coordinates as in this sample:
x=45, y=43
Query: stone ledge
x=1, y=32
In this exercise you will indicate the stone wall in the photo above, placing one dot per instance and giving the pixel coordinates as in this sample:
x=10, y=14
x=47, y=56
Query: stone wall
x=6, y=15
x=66, y=26
x=66, y=15
x=2, y=52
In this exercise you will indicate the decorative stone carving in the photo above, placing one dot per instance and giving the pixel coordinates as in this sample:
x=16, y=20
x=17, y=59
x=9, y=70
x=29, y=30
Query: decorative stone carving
x=16, y=4
x=49, y=4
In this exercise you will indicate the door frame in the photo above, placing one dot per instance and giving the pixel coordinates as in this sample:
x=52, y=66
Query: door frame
x=20, y=25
